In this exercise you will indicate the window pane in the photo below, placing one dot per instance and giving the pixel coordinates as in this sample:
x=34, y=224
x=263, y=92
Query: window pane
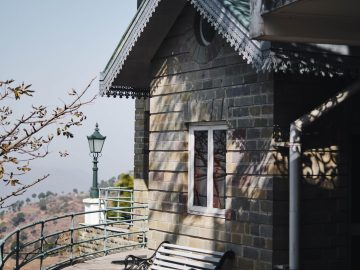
x=219, y=173
x=200, y=167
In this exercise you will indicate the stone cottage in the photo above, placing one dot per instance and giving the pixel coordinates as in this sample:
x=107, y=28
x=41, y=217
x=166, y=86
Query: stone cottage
x=212, y=135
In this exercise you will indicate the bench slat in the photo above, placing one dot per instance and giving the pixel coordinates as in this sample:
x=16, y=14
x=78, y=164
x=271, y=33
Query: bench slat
x=169, y=265
x=159, y=267
x=176, y=257
x=201, y=257
x=185, y=261
x=216, y=253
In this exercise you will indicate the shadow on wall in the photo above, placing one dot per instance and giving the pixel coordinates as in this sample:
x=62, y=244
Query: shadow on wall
x=257, y=168
x=323, y=172
x=249, y=178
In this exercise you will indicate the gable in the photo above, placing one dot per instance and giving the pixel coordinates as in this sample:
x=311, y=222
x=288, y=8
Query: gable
x=128, y=71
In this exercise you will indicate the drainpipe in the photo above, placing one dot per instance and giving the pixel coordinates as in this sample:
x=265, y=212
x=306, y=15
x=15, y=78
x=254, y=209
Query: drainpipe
x=296, y=128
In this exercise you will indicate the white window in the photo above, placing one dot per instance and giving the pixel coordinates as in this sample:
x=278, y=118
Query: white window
x=207, y=170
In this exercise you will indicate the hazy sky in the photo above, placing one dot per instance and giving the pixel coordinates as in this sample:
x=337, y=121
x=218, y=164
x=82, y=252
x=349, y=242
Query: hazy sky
x=57, y=45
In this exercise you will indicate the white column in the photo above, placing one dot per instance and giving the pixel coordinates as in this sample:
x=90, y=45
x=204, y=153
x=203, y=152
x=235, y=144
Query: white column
x=92, y=204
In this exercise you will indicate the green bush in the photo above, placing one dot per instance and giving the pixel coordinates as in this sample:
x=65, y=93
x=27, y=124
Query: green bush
x=2, y=227
x=42, y=205
x=19, y=218
x=125, y=181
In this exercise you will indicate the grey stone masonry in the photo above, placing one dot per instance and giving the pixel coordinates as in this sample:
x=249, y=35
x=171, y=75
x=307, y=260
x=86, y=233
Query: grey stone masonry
x=257, y=108
x=223, y=90
x=141, y=147
x=141, y=158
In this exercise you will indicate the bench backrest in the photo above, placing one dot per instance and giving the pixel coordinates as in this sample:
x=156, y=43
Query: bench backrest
x=169, y=256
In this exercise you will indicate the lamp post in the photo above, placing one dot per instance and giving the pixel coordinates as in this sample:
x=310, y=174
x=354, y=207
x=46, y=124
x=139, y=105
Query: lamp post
x=96, y=142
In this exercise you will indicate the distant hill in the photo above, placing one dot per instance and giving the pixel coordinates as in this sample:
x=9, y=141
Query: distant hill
x=45, y=205
x=23, y=212
x=60, y=180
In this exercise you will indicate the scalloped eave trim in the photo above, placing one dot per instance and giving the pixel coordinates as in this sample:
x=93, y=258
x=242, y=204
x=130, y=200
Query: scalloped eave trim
x=231, y=30
x=131, y=36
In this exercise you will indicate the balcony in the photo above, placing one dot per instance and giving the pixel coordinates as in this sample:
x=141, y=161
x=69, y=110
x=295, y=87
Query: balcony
x=121, y=226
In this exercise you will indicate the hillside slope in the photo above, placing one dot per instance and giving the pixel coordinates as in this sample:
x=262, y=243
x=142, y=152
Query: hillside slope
x=27, y=213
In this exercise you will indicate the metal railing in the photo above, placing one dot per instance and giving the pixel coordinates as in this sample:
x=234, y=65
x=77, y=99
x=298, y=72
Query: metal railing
x=53, y=249
x=119, y=202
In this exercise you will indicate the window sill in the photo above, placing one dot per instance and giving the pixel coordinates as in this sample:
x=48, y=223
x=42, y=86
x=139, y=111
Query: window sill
x=203, y=211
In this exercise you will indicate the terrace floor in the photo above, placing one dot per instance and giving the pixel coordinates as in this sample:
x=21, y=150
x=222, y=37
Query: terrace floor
x=110, y=262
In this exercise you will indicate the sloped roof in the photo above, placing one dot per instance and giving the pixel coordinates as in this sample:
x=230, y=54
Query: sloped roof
x=128, y=71
x=227, y=24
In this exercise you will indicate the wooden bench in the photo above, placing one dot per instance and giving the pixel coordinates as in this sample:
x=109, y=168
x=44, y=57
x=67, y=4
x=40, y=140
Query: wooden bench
x=169, y=257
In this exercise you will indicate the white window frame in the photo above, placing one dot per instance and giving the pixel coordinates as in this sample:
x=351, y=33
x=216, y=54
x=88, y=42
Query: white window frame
x=195, y=209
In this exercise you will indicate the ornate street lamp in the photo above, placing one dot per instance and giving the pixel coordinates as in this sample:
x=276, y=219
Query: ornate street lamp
x=96, y=142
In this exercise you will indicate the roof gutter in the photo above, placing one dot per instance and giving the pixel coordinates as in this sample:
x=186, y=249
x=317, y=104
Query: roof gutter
x=296, y=129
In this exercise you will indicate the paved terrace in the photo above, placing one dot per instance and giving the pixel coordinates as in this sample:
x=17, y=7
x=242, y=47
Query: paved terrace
x=110, y=262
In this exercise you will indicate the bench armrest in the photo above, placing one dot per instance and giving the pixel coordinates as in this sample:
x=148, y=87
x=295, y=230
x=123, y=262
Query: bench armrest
x=228, y=254
x=135, y=262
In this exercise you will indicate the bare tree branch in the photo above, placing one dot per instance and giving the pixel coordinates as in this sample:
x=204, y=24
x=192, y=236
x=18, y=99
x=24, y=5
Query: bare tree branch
x=21, y=190
x=22, y=140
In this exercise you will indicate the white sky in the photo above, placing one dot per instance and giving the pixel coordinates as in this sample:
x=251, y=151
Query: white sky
x=56, y=45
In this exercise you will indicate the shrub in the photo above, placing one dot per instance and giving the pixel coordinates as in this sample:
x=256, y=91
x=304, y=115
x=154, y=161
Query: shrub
x=42, y=205
x=19, y=218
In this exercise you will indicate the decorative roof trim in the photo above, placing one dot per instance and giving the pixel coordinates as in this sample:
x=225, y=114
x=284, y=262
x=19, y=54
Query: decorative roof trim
x=305, y=60
x=260, y=54
x=126, y=44
x=226, y=24
x=125, y=91
x=231, y=29
x=302, y=62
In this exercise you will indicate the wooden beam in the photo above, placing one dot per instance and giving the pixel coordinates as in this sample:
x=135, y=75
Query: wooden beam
x=306, y=28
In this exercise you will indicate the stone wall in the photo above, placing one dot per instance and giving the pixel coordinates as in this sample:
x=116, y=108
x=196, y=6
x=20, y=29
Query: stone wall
x=225, y=89
x=141, y=148
x=141, y=157
x=257, y=108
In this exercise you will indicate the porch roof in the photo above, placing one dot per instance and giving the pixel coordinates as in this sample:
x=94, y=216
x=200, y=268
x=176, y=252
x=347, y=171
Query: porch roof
x=128, y=70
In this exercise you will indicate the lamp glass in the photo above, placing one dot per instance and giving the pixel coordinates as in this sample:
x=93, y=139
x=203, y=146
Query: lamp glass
x=91, y=145
x=96, y=141
x=98, y=145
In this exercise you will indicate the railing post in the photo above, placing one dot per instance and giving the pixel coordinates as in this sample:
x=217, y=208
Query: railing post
x=17, y=258
x=132, y=207
x=72, y=239
x=118, y=199
x=42, y=244
x=99, y=202
x=105, y=236
x=105, y=214
x=102, y=203
x=2, y=255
